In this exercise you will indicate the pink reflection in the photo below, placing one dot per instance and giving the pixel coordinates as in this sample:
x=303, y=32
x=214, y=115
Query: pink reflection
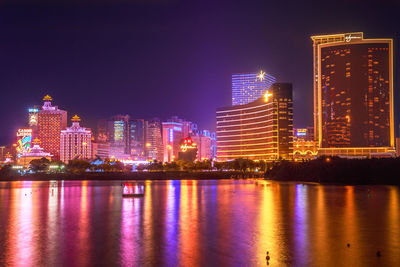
x=23, y=252
x=130, y=228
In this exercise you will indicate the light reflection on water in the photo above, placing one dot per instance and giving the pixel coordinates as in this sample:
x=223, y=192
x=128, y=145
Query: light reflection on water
x=198, y=223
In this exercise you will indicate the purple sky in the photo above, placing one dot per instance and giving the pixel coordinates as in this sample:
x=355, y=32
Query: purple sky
x=164, y=58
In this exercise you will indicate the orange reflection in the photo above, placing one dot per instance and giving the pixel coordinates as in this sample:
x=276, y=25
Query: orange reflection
x=189, y=224
x=270, y=236
x=148, y=219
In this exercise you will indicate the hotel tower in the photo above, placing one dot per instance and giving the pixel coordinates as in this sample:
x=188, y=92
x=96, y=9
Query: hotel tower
x=76, y=142
x=260, y=130
x=51, y=121
x=353, y=95
x=248, y=87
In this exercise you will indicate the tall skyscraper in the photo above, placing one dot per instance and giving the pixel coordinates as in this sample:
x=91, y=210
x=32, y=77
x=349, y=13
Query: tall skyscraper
x=353, y=95
x=153, y=145
x=76, y=142
x=173, y=131
x=119, y=136
x=51, y=121
x=260, y=130
x=248, y=87
x=137, y=136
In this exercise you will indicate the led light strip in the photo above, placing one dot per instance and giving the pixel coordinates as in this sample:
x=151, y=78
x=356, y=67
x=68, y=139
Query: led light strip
x=243, y=114
x=259, y=144
x=244, y=140
x=233, y=109
x=246, y=130
x=253, y=118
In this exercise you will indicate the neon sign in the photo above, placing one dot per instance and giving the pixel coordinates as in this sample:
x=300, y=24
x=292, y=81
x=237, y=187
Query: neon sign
x=24, y=132
x=301, y=132
x=33, y=116
x=349, y=38
x=188, y=144
x=24, y=142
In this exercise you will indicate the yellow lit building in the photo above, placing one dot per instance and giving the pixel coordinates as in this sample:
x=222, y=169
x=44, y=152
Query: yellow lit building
x=260, y=130
x=353, y=95
x=304, y=145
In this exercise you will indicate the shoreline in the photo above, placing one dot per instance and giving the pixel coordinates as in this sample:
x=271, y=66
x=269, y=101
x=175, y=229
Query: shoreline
x=121, y=176
x=177, y=175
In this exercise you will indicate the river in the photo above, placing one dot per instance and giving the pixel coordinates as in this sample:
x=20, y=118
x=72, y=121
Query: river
x=198, y=223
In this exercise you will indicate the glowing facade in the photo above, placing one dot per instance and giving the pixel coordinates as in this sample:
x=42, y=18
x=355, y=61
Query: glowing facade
x=260, y=130
x=51, y=121
x=248, y=87
x=76, y=142
x=136, y=135
x=118, y=132
x=204, y=142
x=304, y=145
x=153, y=140
x=353, y=94
x=172, y=134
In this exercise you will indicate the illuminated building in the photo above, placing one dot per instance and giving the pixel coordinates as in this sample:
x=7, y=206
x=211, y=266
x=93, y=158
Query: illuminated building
x=76, y=142
x=248, y=87
x=353, y=95
x=2, y=153
x=203, y=140
x=260, y=130
x=35, y=153
x=213, y=136
x=118, y=135
x=398, y=146
x=137, y=136
x=188, y=150
x=304, y=145
x=51, y=121
x=188, y=127
x=153, y=140
x=172, y=135
x=101, y=150
x=33, y=116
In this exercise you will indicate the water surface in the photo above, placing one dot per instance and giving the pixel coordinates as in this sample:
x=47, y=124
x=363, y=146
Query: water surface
x=198, y=223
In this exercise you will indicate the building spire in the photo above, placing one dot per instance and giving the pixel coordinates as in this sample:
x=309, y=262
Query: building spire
x=47, y=98
x=75, y=119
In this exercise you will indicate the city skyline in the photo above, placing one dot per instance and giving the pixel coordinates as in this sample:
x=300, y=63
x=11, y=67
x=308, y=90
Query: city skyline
x=121, y=66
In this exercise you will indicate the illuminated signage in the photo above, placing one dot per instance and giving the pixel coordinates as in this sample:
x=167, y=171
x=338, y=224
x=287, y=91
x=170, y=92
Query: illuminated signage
x=301, y=132
x=33, y=116
x=178, y=129
x=349, y=38
x=24, y=140
x=188, y=144
x=24, y=132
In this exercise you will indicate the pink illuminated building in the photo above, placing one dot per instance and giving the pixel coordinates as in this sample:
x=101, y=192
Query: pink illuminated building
x=76, y=142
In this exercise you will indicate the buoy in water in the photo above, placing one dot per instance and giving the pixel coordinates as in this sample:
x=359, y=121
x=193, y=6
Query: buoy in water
x=378, y=253
x=267, y=257
x=348, y=245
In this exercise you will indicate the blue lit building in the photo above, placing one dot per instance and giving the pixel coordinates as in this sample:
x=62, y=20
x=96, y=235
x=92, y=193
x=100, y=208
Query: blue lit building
x=248, y=87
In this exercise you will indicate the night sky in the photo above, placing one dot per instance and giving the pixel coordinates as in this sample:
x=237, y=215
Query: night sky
x=164, y=58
